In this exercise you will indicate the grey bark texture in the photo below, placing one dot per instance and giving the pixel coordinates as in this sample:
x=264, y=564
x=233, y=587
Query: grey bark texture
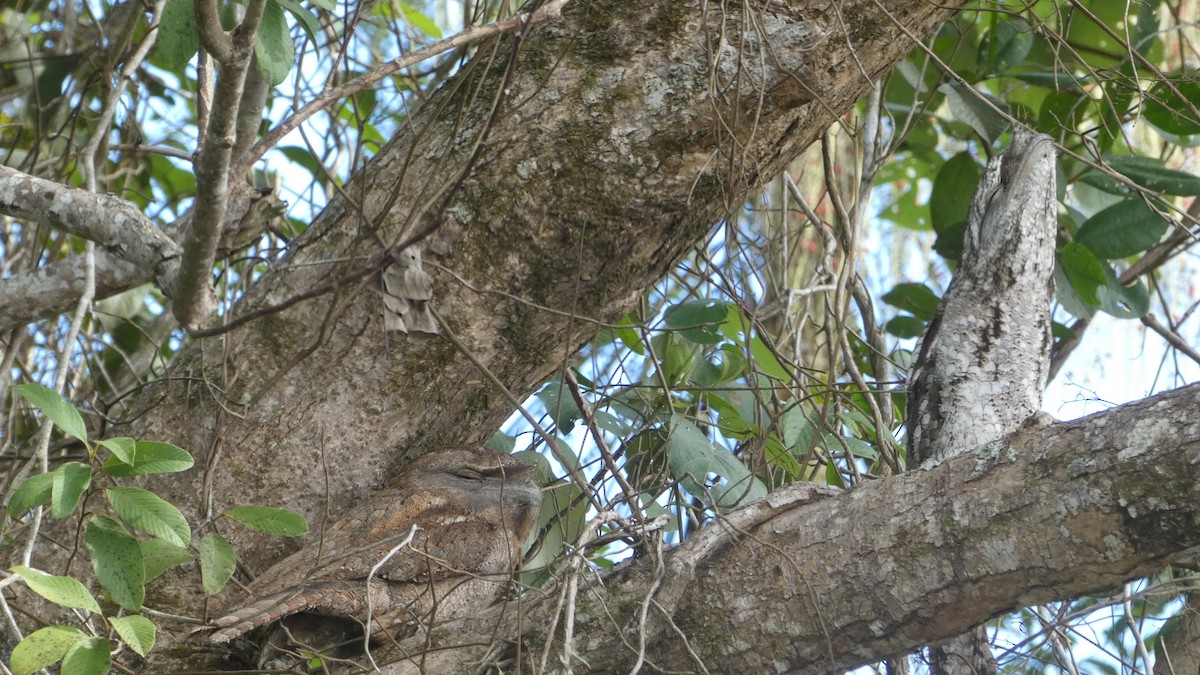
x=627, y=130
x=983, y=361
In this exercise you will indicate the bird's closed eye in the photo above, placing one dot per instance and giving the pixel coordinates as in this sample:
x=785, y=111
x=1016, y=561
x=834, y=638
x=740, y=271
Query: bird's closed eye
x=469, y=473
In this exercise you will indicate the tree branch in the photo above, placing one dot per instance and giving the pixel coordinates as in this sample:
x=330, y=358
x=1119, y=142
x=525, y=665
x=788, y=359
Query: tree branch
x=1050, y=513
x=122, y=230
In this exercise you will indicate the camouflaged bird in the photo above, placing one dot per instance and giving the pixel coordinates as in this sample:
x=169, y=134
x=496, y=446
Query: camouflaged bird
x=472, y=510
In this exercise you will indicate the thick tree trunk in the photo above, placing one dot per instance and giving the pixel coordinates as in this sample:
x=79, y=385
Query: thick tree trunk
x=627, y=129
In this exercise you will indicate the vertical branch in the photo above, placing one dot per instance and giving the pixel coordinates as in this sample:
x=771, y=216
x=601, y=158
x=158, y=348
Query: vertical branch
x=193, y=297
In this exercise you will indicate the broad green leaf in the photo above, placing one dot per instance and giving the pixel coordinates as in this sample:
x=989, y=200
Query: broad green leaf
x=70, y=480
x=780, y=458
x=676, y=356
x=1006, y=46
x=833, y=476
x=561, y=518
x=64, y=591
x=905, y=326
x=117, y=561
x=559, y=404
x=698, y=320
x=136, y=631
x=420, y=21
x=56, y=408
x=273, y=45
x=955, y=183
x=1123, y=229
x=502, y=442
x=158, y=556
x=1151, y=173
x=977, y=110
x=146, y=512
x=1085, y=273
x=122, y=448
x=692, y=457
x=1069, y=298
x=177, y=41
x=151, y=457
x=728, y=363
x=1169, y=104
x=89, y=656
x=915, y=298
x=271, y=520
x=765, y=362
x=1123, y=302
x=33, y=491
x=217, y=562
x=307, y=20
x=799, y=429
x=43, y=647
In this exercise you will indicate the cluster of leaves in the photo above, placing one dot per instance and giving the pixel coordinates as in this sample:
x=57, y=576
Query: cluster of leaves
x=1118, y=203
x=123, y=563
x=698, y=432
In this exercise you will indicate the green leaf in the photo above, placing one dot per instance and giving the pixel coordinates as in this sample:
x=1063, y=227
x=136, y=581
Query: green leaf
x=420, y=21
x=677, y=356
x=698, y=320
x=1121, y=230
x=56, y=408
x=502, y=442
x=158, y=556
x=692, y=457
x=43, y=647
x=273, y=45
x=905, y=327
x=1171, y=111
x=1083, y=270
x=1152, y=174
x=151, y=457
x=1006, y=46
x=136, y=631
x=1123, y=302
x=33, y=491
x=177, y=37
x=64, y=591
x=70, y=481
x=271, y=520
x=117, y=561
x=971, y=107
x=915, y=298
x=560, y=405
x=307, y=20
x=765, y=362
x=561, y=518
x=90, y=656
x=1069, y=298
x=216, y=562
x=955, y=183
x=122, y=448
x=146, y=512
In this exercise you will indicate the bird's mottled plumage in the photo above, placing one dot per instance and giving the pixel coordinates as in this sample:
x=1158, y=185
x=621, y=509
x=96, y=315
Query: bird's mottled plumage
x=472, y=509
